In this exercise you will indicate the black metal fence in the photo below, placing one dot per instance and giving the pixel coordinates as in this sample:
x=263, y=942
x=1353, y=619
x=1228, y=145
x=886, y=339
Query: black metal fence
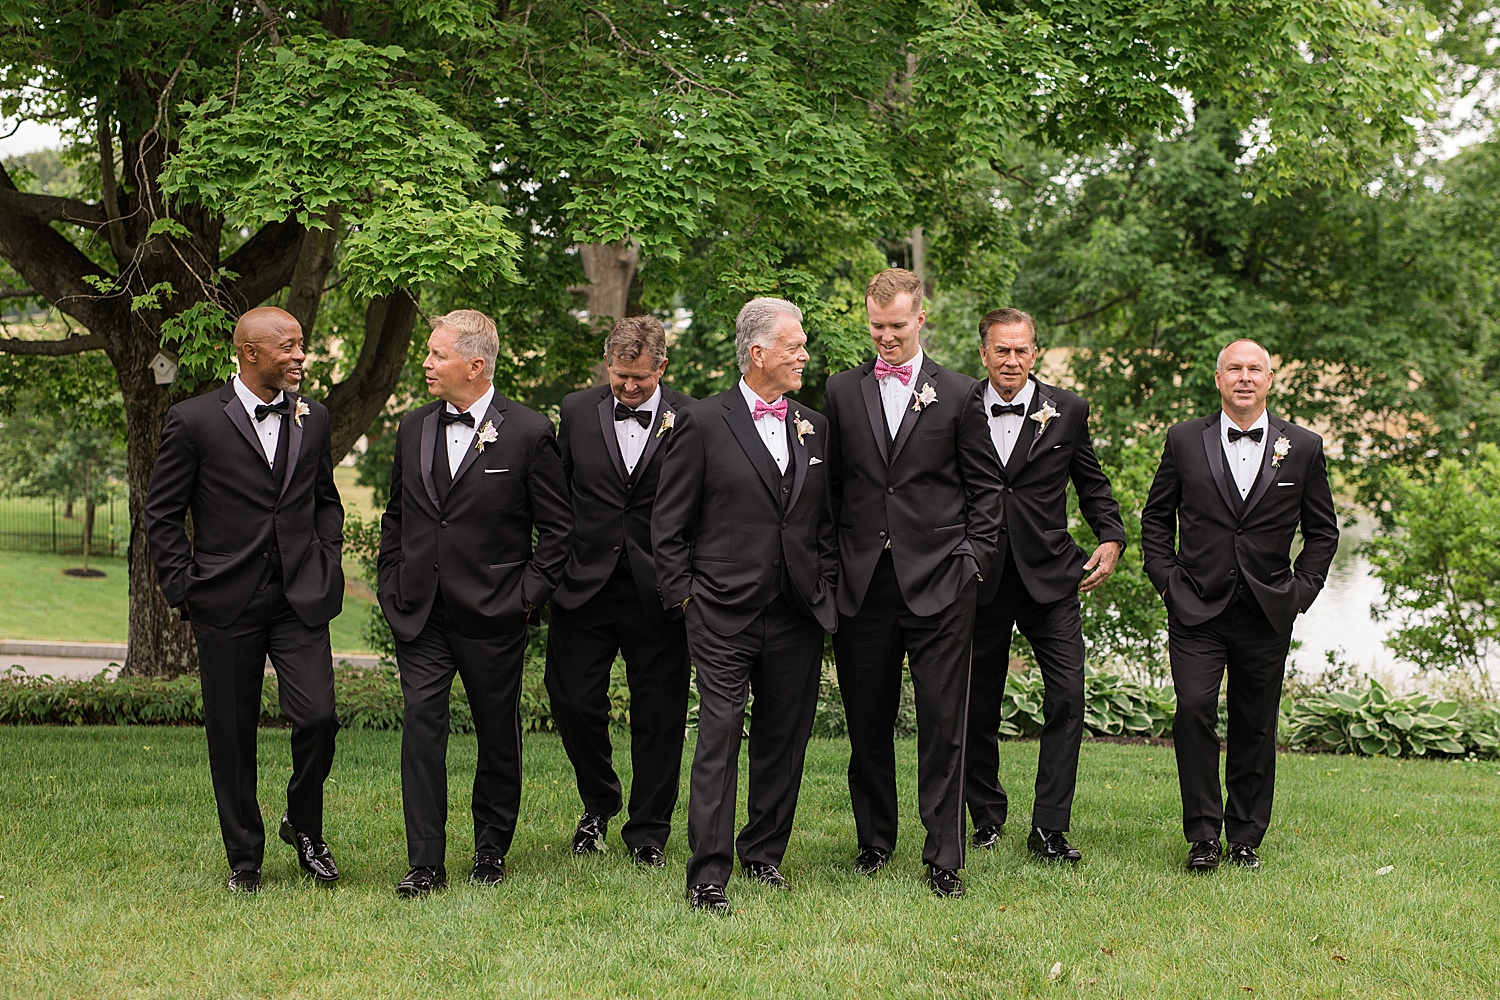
x=28, y=525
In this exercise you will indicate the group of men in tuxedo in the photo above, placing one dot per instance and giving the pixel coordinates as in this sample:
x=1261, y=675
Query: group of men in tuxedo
x=920, y=518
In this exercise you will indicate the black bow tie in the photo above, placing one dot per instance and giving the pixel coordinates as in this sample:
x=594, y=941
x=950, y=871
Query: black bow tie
x=623, y=412
x=1001, y=409
x=1254, y=434
x=447, y=416
x=264, y=410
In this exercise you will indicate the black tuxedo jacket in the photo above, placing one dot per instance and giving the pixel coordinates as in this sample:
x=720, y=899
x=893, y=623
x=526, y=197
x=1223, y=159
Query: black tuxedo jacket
x=611, y=509
x=244, y=512
x=720, y=530
x=935, y=493
x=1199, y=540
x=478, y=541
x=1036, y=478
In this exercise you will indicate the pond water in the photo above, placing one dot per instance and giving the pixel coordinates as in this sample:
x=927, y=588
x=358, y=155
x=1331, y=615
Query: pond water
x=1340, y=620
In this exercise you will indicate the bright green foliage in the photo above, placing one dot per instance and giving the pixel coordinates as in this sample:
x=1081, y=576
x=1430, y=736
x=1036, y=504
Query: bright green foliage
x=201, y=337
x=1375, y=724
x=1439, y=562
x=1113, y=706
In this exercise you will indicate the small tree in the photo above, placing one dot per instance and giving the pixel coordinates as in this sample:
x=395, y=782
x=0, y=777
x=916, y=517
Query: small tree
x=1439, y=561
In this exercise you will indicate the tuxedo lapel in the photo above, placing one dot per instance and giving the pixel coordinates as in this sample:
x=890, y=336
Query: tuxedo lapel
x=798, y=451
x=912, y=413
x=738, y=416
x=1267, y=474
x=658, y=434
x=1215, y=452
x=607, y=428
x=1030, y=431
x=235, y=411
x=292, y=424
x=869, y=387
x=495, y=414
x=429, y=445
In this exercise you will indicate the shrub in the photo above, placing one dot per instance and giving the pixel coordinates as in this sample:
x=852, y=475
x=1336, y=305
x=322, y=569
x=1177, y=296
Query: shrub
x=1375, y=724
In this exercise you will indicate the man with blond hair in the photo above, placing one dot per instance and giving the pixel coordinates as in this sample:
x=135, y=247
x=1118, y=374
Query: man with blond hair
x=475, y=474
x=917, y=495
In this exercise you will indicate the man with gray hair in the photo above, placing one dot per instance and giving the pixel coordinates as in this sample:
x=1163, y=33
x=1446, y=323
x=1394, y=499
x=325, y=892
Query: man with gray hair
x=474, y=475
x=744, y=542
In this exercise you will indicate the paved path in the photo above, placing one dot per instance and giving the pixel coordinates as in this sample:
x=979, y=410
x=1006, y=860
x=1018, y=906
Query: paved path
x=82, y=660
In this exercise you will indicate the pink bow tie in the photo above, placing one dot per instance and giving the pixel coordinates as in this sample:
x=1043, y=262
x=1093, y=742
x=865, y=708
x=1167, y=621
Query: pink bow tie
x=776, y=409
x=903, y=372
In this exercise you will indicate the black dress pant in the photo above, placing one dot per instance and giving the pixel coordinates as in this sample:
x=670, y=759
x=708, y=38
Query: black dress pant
x=1242, y=640
x=491, y=671
x=581, y=648
x=232, y=668
x=869, y=648
x=777, y=658
x=1055, y=632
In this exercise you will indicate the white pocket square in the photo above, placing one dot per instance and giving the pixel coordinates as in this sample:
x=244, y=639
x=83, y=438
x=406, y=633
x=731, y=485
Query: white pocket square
x=814, y=460
x=1286, y=484
x=489, y=472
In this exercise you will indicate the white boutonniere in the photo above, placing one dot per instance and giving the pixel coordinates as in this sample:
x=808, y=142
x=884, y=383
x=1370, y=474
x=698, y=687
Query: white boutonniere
x=486, y=434
x=302, y=410
x=804, y=427
x=925, y=398
x=1279, y=450
x=1044, y=415
x=667, y=419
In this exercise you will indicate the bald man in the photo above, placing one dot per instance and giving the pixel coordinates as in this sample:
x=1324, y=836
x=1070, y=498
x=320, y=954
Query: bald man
x=259, y=577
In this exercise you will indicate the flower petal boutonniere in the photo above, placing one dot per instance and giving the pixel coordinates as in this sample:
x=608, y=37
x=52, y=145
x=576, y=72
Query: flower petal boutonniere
x=302, y=410
x=667, y=419
x=925, y=398
x=1044, y=415
x=486, y=434
x=804, y=427
x=1279, y=450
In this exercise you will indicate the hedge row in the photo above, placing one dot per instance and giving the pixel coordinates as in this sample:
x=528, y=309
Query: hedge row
x=1370, y=723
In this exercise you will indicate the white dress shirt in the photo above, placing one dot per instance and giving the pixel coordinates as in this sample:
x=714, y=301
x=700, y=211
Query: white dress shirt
x=269, y=429
x=631, y=435
x=1006, y=429
x=1246, y=453
x=461, y=436
x=772, y=431
x=897, y=397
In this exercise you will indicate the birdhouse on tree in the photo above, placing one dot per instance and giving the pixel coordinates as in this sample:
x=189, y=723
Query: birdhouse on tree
x=164, y=368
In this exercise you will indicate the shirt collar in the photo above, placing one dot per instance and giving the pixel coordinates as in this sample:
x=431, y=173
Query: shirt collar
x=481, y=405
x=750, y=397
x=249, y=399
x=649, y=406
x=1226, y=422
x=1023, y=396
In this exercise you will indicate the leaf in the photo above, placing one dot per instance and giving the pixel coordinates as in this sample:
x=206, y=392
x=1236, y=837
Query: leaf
x=1386, y=870
x=1055, y=972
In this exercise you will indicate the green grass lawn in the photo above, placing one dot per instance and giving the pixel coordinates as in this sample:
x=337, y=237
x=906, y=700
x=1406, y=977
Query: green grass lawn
x=42, y=603
x=113, y=887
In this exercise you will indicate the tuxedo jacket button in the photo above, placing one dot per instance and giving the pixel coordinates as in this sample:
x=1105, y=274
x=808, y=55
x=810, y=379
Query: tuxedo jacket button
x=434, y=567
x=775, y=562
x=1234, y=572
x=265, y=555
x=617, y=548
x=442, y=524
x=783, y=525
x=890, y=489
x=1239, y=531
x=882, y=534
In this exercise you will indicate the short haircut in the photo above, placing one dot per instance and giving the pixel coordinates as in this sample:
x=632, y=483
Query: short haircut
x=634, y=336
x=891, y=282
x=1219, y=364
x=262, y=319
x=1005, y=317
x=474, y=336
x=756, y=324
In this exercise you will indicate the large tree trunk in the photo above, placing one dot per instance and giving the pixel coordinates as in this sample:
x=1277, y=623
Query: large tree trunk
x=610, y=268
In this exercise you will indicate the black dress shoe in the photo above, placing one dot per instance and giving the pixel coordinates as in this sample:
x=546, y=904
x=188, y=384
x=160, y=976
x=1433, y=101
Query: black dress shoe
x=313, y=856
x=1243, y=855
x=422, y=880
x=489, y=868
x=986, y=837
x=650, y=857
x=1052, y=845
x=766, y=874
x=1204, y=855
x=708, y=896
x=945, y=882
x=871, y=860
x=589, y=837
x=245, y=880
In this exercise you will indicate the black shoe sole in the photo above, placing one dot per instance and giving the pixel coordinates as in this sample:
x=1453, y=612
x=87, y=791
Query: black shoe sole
x=1202, y=869
x=290, y=840
x=415, y=893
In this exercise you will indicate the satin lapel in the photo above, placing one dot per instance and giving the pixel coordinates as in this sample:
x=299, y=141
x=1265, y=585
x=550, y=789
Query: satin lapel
x=911, y=415
x=607, y=428
x=235, y=411
x=869, y=387
x=494, y=414
x=1263, y=483
x=657, y=436
x=798, y=450
x=429, y=445
x=294, y=446
x=738, y=416
x=1215, y=451
x=1029, y=433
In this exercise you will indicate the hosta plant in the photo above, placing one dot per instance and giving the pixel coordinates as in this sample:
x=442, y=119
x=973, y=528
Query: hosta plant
x=1375, y=724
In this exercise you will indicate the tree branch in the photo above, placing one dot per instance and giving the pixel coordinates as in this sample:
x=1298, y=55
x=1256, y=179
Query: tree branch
x=46, y=207
x=1098, y=309
x=53, y=348
x=265, y=263
x=115, y=227
x=7, y=292
x=360, y=397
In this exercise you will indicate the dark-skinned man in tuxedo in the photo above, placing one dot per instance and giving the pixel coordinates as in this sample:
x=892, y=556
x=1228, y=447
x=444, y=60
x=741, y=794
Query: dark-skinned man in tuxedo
x=612, y=439
x=1229, y=497
x=1041, y=436
x=744, y=539
x=260, y=576
x=918, y=500
x=474, y=474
